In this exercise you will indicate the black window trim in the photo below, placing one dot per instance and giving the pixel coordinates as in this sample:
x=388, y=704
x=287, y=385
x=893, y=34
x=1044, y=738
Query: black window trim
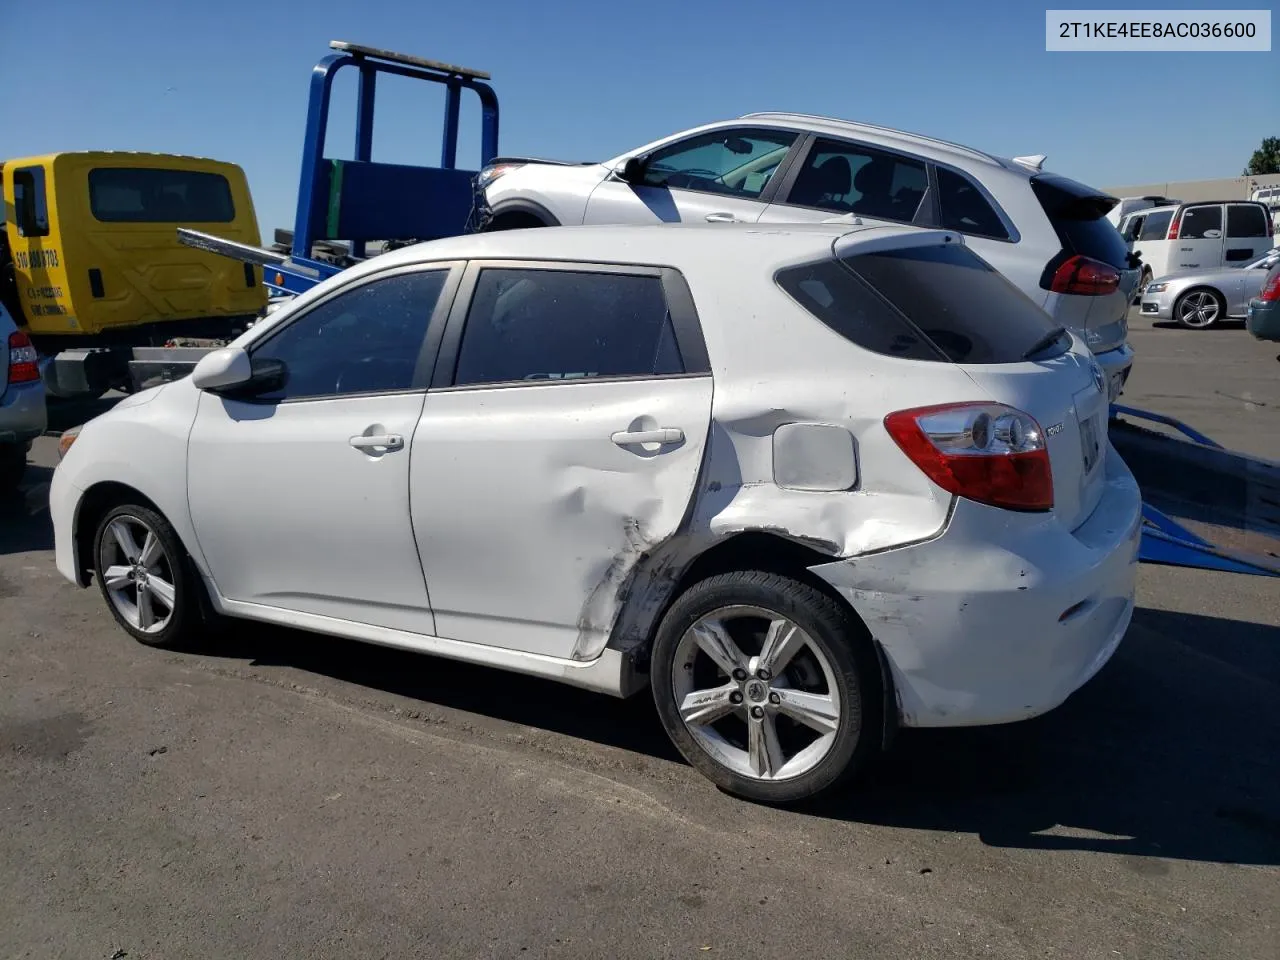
x=925, y=212
x=430, y=346
x=770, y=189
x=1010, y=227
x=684, y=320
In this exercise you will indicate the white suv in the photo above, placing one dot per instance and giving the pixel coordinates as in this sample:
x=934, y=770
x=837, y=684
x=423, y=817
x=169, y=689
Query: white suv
x=811, y=482
x=1047, y=234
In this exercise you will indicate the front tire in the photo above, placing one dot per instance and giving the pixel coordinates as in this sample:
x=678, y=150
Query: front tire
x=767, y=686
x=145, y=576
x=1199, y=309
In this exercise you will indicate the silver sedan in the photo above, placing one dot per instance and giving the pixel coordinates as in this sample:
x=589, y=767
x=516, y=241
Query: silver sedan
x=1200, y=298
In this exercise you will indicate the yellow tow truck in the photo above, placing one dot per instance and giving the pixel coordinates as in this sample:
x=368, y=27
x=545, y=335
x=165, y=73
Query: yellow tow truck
x=91, y=267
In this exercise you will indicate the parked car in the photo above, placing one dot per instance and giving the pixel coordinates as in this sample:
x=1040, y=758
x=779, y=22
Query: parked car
x=810, y=482
x=1263, y=316
x=1201, y=236
x=1047, y=234
x=1200, y=298
x=22, y=402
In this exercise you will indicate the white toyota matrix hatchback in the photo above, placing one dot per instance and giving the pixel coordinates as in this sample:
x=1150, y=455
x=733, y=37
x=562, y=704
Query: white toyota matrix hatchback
x=807, y=482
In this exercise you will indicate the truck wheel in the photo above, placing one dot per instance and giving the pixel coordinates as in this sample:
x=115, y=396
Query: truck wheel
x=13, y=464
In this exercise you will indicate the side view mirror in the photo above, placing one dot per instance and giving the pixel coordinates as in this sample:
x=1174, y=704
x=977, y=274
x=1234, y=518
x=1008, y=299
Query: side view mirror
x=630, y=170
x=232, y=372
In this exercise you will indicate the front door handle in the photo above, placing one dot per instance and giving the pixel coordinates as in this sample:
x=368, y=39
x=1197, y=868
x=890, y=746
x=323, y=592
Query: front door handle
x=391, y=441
x=721, y=218
x=625, y=438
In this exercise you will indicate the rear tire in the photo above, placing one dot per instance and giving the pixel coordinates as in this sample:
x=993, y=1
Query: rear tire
x=13, y=465
x=1199, y=309
x=146, y=578
x=765, y=737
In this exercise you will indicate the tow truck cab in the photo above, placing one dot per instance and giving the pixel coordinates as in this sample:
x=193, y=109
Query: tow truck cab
x=91, y=262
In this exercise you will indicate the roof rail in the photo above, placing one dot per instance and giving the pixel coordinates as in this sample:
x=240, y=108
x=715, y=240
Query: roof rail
x=358, y=50
x=959, y=147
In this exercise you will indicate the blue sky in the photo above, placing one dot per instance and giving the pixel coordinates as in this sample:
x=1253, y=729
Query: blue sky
x=584, y=81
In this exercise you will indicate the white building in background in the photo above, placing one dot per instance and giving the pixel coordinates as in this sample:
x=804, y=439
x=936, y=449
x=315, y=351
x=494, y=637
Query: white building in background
x=1190, y=191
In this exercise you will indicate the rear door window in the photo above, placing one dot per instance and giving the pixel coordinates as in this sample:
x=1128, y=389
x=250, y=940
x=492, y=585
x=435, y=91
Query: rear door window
x=1079, y=217
x=1199, y=223
x=925, y=303
x=538, y=325
x=847, y=178
x=1156, y=226
x=965, y=209
x=1246, y=220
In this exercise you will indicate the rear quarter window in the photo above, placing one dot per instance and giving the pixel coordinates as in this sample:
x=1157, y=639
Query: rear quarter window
x=1078, y=214
x=935, y=303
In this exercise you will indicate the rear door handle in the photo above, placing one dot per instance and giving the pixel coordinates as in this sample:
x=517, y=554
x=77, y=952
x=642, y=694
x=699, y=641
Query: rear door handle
x=625, y=438
x=721, y=218
x=392, y=441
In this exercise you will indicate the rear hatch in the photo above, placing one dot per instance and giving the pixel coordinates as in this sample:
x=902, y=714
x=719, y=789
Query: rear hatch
x=1078, y=214
x=1014, y=352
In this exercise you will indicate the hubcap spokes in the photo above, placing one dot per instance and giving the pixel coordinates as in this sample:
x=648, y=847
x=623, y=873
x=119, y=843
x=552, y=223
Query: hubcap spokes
x=1199, y=310
x=138, y=574
x=756, y=693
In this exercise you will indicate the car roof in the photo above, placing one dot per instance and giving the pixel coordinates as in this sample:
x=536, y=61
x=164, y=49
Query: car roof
x=764, y=246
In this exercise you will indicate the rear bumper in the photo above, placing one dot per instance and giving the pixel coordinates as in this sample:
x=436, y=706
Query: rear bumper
x=1263, y=319
x=1115, y=364
x=22, y=413
x=1004, y=615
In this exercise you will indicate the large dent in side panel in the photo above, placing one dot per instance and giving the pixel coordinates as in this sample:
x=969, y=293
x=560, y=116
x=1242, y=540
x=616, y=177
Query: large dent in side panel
x=738, y=494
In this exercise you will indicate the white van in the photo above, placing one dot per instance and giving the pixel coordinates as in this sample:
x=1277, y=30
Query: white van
x=1198, y=236
x=1128, y=205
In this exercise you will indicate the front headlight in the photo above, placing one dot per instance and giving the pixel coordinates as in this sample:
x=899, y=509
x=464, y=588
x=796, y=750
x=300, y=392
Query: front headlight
x=491, y=173
x=66, y=440
x=1155, y=288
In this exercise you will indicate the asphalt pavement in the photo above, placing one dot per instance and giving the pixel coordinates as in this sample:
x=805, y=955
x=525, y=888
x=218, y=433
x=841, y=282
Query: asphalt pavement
x=286, y=795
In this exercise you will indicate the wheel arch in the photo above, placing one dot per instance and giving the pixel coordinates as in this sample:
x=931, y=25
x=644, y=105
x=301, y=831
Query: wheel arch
x=660, y=578
x=520, y=209
x=92, y=507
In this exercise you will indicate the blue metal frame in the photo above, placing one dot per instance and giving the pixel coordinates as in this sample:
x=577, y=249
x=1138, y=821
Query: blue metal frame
x=1167, y=542
x=312, y=209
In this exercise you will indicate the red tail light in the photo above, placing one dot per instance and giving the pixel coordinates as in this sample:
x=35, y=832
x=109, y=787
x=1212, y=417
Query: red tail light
x=986, y=452
x=23, y=363
x=1271, y=292
x=1085, y=276
x=1174, y=224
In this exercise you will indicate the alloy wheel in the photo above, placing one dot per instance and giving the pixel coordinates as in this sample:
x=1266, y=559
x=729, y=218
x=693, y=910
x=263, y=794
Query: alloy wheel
x=756, y=693
x=1199, y=309
x=137, y=574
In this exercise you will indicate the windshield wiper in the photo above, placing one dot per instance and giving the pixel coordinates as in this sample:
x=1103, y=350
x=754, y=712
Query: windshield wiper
x=1045, y=342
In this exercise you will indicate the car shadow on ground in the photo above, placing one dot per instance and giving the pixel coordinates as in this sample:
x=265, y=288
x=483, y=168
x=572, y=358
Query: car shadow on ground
x=24, y=515
x=1168, y=753
x=1219, y=325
